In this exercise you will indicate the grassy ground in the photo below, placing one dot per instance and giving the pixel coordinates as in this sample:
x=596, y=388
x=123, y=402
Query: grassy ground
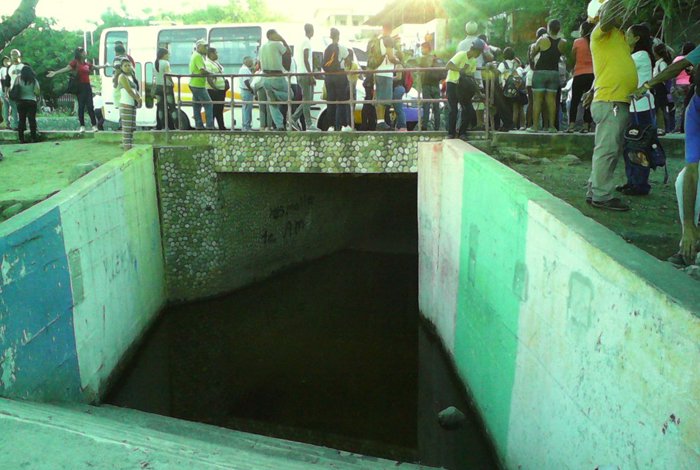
x=652, y=224
x=32, y=172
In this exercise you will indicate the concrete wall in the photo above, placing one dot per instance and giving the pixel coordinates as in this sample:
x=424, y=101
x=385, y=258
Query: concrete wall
x=222, y=231
x=82, y=277
x=579, y=349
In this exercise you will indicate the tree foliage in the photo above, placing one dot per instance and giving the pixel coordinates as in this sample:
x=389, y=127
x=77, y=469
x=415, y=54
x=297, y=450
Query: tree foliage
x=45, y=48
x=13, y=25
x=236, y=11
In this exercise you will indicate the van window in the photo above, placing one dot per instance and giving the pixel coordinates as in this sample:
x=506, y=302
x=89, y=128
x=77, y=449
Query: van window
x=111, y=39
x=234, y=43
x=149, y=87
x=180, y=43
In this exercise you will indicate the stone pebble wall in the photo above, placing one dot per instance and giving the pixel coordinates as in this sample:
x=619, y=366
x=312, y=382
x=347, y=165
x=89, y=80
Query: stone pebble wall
x=311, y=152
x=223, y=230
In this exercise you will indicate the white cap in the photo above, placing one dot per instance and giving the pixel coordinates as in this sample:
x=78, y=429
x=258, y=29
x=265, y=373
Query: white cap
x=201, y=42
x=471, y=27
x=594, y=10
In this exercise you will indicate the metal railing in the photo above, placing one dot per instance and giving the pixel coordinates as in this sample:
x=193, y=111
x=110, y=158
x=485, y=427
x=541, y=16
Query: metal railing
x=420, y=101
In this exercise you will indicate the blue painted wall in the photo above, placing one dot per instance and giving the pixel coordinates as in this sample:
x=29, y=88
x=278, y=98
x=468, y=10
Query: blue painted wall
x=38, y=356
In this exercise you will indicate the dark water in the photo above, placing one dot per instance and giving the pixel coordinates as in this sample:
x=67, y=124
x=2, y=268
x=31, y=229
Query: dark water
x=330, y=353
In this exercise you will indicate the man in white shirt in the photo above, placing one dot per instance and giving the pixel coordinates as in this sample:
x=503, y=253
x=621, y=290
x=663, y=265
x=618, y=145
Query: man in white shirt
x=472, y=30
x=272, y=57
x=247, y=94
x=304, y=57
x=14, y=71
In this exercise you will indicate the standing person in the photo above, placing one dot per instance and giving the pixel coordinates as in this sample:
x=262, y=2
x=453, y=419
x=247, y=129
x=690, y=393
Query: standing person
x=680, y=89
x=304, y=56
x=385, y=79
x=545, y=80
x=583, y=76
x=5, y=83
x=472, y=30
x=430, y=86
x=273, y=56
x=512, y=84
x=261, y=95
x=688, y=182
x=216, y=86
x=82, y=69
x=247, y=93
x=337, y=85
x=129, y=101
x=29, y=93
x=353, y=78
x=461, y=87
x=662, y=91
x=98, y=105
x=642, y=112
x=529, y=72
x=13, y=71
x=615, y=79
x=398, y=92
x=198, y=86
x=165, y=93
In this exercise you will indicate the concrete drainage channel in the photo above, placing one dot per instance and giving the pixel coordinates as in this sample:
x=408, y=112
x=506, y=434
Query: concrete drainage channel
x=555, y=325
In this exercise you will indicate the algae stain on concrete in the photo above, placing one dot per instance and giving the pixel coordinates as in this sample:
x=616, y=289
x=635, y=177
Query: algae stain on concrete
x=7, y=364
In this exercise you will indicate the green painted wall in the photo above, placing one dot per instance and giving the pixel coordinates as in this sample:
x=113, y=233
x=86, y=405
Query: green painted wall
x=579, y=349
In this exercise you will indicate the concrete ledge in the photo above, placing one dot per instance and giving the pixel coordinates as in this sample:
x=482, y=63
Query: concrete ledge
x=561, y=330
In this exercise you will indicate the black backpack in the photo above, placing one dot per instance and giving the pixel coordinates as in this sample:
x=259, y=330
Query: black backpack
x=642, y=148
x=513, y=84
x=331, y=63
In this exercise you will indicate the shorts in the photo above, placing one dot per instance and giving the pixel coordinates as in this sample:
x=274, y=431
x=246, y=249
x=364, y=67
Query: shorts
x=545, y=81
x=692, y=130
x=385, y=88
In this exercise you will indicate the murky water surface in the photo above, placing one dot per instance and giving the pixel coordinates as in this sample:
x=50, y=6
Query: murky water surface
x=330, y=353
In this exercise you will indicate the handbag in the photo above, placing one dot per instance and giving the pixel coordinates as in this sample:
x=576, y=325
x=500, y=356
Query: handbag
x=15, y=91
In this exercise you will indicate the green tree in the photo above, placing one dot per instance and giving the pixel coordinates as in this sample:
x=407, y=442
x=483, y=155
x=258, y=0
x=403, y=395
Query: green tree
x=247, y=11
x=20, y=20
x=45, y=48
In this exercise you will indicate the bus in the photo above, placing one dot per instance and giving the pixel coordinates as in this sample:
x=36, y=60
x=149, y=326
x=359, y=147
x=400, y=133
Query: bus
x=232, y=41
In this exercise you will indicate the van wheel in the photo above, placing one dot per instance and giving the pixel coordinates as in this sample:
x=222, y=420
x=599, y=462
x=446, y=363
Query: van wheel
x=184, y=122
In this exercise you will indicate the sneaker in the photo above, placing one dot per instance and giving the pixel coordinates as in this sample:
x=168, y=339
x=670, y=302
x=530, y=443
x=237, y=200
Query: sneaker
x=634, y=191
x=533, y=130
x=589, y=200
x=94, y=129
x=552, y=130
x=402, y=129
x=451, y=136
x=312, y=129
x=82, y=129
x=613, y=204
x=677, y=260
x=346, y=129
x=294, y=125
x=383, y=126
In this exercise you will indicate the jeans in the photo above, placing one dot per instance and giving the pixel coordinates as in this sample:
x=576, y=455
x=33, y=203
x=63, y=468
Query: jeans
x=307, y=94
x=338, y=89
x=265, y=116
x=581, y=84
x=639, y=177
x=455, y=98
x=431, y=92
x=679, y=197
x=611, y=120
x=5, y=109
x=276, y=90
x=201, y=98
x=679, y=93
x=399, y=91
x=247, y=112
x=166, y=101
x=27, y=111
x=85, y=102
x=218, y=108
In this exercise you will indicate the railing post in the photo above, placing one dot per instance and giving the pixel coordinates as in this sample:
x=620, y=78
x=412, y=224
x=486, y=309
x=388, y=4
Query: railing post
x=233, y=103
x=351, y=103
x=179, y=100
x=166, y=120
x=289, y=100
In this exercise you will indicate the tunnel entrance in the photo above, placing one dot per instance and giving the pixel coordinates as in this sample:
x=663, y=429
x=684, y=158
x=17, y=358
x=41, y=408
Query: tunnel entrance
x=330, y=352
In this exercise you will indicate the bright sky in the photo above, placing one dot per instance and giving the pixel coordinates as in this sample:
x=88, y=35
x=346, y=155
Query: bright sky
x=77, y=14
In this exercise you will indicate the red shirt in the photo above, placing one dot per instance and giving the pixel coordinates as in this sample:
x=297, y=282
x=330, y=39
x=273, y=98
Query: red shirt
x=584, y=59
x=83, y=69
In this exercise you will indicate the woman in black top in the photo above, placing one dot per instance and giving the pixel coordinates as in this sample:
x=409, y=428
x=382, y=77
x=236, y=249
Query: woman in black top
x=545, y=80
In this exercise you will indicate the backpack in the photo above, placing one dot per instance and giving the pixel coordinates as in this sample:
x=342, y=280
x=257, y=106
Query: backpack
x=513, y=85
x=436, y=76
x=15, y=91
x=330, y=58
x=642, y=148
x=374, y=53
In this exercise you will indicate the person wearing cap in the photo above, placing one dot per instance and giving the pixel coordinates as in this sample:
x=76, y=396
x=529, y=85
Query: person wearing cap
x=609, y=99
x=472, y=30
x=273, y=55
x=462, y=86
x=688, y=182
x=198, y=86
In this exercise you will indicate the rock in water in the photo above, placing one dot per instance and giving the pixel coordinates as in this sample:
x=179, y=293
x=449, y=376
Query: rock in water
x=451, y=418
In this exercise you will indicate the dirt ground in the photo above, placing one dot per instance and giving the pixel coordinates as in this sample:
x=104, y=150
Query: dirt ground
x=652, y=224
